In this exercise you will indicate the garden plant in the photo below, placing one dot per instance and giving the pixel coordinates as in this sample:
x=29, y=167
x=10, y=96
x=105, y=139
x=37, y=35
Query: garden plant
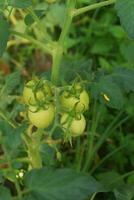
x=66, y=99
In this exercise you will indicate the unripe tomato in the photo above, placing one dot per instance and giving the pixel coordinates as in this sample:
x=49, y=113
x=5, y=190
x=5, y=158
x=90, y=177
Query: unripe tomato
x=75, y=126
x=30, y=96
x=80, y=103
x=41, y=118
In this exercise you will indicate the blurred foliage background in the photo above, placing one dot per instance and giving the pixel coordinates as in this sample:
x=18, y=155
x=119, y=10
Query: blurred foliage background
x=99, y=51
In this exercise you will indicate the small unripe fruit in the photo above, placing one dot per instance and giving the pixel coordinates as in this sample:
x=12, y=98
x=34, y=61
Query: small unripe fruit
x=41, y=118
x=29, y=95
x=80, y=104
x=75, y=126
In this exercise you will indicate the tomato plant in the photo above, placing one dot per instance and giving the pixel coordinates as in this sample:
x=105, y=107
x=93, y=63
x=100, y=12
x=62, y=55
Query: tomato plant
x=66, y=99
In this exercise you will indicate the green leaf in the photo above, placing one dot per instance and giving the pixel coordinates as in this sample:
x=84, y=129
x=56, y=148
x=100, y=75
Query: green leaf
x=127, y=51
x=71, y=68
x=104, y=64
x=56, y=15
x=20, y=4
x=60, y=184
x=42, y=6
x=48, y=154
x=102, y=45
x=4, y=194
x=129, y=105
x=124, y=193
x=2, y=4
x=29, y=19
x=11, y=138
x=108, y=92
x=117, y=31
x=124, y=78
x=4, y=35
x=109, y=179
x=125, y=10
x=12, y=80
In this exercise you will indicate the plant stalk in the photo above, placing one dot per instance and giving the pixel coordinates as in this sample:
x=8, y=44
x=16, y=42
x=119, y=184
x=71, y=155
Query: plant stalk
x=93, y=7
x=33, y=144
x=59, y=49
x=45, y=48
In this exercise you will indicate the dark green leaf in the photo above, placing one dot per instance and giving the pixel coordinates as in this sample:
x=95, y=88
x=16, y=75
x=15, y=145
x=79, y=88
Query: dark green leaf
x=4, y=194
x=108, y=92
x=109, y=179
x=60, y=184
x=125, y=10
x=29, y=19
x=48, y=154
x=70, y=69
x=11, y=137
x=124, y=78
x=127, y=51
x=20, y=4
x=4, y=35
x=124, y=193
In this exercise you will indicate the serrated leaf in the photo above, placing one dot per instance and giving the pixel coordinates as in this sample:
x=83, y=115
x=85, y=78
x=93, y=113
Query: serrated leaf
x=124, y=78
x=125, y=10
x=11, y=82
x=11, y=137
x=4, y=193
x=70, y=69
x=59, y=184
x=20, y=4
x=124, y=193
x=4, y=35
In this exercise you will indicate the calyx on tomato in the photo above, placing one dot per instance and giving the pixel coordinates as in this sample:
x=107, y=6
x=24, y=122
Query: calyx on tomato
x=78, y=99
x=36, y=91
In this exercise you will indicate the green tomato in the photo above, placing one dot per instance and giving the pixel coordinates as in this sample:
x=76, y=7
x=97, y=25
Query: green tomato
x=41, y=118
x=28, y=94
x=31, y=97
x=75, y=126
x=81, y=103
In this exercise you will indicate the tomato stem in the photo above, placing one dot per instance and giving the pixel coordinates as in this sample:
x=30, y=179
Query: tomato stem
x=33, y=144
x=93, y=7
x=60, y=45
x=45, y=48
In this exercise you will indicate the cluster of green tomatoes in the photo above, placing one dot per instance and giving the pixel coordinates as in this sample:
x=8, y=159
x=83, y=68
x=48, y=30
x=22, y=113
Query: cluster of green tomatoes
x=45, y=101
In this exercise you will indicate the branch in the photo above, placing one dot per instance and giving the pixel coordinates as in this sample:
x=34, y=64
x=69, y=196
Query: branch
x=92, y=7
x=42, y=46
